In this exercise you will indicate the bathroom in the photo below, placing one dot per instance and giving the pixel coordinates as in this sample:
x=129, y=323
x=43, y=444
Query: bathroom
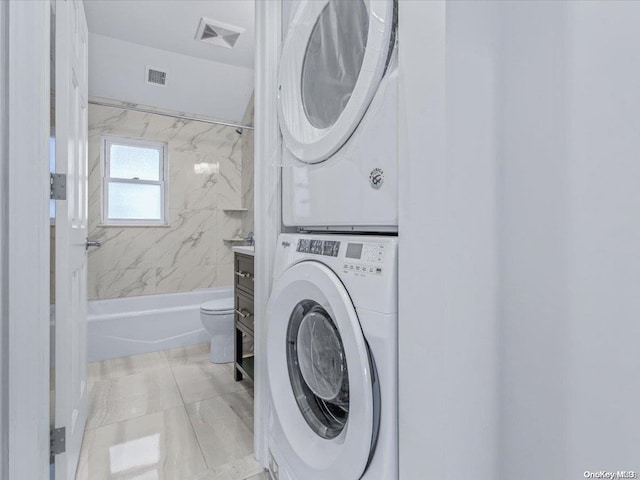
x=170, y=198
x=444, y=277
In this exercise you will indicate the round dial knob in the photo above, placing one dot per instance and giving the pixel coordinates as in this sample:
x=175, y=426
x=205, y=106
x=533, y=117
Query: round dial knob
x=376, y=178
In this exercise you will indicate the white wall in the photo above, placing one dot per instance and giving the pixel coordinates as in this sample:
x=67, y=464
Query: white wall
x=571, y=264
x=194, y=85
x=471, y=249
x=519, y=327
x=604, y=235
x=422, y=308
x=4, y=334
x=533, y=218
x=448, y=236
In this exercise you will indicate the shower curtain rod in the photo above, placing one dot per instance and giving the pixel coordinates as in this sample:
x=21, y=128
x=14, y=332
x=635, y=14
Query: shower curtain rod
x=172, y=115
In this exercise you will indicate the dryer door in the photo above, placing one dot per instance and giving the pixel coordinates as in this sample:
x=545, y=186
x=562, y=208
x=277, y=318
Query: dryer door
x=320, y=376
x=333, y=59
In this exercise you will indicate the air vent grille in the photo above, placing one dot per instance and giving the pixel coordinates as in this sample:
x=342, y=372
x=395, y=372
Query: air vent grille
x=208, y=32
x=156, y=76
x=218, y=33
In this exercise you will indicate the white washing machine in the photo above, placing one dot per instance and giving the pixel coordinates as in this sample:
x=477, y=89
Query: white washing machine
x=332, y=358
x=337, y=100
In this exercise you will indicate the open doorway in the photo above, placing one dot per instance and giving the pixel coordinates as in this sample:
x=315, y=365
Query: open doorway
x=169, y=194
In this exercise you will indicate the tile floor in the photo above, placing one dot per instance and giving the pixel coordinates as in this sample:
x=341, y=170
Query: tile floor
x=169, y=415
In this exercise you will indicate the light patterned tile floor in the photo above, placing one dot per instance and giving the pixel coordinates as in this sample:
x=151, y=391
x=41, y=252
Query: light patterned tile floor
x=132, y=396
x=260, y=476
x=125, y=366
x=168, y=415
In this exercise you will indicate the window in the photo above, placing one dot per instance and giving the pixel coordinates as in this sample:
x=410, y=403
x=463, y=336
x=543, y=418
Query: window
x=134, y=190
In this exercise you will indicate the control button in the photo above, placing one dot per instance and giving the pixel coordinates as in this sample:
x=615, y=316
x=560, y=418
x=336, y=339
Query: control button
x=351, y=267
x=358, y=267
x=346, y=266
x=378, y=270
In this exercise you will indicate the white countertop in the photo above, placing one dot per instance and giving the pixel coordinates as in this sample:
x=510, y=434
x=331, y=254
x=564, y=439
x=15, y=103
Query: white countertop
x=246, y=249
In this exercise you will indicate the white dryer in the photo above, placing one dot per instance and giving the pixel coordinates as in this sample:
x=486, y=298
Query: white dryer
x=332, y=358
x=337, y=100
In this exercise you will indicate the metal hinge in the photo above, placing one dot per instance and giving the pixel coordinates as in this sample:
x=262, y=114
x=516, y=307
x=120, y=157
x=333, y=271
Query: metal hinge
x=58, y=441
x=58, y=186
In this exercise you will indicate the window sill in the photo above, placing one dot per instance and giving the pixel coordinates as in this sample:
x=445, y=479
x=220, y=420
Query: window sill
x=135, y=225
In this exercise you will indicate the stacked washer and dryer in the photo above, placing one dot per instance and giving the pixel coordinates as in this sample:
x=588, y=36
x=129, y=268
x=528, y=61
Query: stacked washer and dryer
x=332, y=315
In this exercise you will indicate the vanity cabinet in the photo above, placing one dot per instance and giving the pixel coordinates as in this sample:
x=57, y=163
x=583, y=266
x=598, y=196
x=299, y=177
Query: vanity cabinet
x=243, y=314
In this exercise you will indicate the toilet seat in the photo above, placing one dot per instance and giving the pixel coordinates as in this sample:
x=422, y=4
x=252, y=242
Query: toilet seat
x=221, y=306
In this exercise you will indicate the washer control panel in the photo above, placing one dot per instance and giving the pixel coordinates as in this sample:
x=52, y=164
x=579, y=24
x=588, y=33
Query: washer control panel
x=364, y=258
x=328, y=248
x=361, y=259
x=366, y=265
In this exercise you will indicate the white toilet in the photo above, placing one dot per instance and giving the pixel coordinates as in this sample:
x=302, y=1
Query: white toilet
x=217, y=318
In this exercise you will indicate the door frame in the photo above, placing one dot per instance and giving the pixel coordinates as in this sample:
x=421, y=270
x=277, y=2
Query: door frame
x=422, y=230
x=24, y=239
x=267, y=203
x=24, y=227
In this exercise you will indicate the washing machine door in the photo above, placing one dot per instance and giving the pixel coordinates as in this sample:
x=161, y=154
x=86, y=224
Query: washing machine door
x=320, y=376
x=333, y=58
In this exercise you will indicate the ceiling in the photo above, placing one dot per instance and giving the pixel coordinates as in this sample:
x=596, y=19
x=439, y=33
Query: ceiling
x=171, y=25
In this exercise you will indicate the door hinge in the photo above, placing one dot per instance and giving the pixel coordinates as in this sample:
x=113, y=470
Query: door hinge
x=58, y=186
x=58, y=441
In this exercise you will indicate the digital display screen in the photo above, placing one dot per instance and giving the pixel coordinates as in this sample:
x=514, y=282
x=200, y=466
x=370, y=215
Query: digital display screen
x=354, y=250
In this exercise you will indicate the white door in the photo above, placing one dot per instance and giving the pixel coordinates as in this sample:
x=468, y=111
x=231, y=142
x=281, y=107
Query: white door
x=71, y=232
x=320, y=376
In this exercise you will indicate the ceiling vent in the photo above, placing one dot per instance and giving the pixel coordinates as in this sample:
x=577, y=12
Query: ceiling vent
x=155, y=76
x=218, y=33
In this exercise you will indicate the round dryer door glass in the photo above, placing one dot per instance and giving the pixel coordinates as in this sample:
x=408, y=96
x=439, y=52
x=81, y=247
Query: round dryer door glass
x=318, y=369
x=333, y=60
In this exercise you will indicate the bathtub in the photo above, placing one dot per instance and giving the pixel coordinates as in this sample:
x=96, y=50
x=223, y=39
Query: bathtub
x=120, y=327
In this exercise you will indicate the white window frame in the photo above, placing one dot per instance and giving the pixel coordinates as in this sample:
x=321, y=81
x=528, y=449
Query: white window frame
x=106, y=142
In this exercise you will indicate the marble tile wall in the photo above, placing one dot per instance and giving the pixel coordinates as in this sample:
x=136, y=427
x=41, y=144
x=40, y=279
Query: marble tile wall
x=247, y=169
x=204, y=176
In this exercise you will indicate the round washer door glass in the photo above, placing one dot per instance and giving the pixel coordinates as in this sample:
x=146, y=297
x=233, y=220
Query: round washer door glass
x=333, y=60
x=321, y=376
x=318, y=369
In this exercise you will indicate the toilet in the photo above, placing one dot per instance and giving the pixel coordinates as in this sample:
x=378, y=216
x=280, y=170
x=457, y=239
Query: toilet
x=217, y=318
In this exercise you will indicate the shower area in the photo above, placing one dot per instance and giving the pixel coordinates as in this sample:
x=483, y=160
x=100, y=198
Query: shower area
x=169, y=195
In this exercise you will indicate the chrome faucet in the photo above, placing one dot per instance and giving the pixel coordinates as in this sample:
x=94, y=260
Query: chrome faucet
x=249, y=239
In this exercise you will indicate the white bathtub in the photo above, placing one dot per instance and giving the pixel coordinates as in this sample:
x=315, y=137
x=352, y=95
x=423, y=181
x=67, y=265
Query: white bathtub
x=129, y=326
